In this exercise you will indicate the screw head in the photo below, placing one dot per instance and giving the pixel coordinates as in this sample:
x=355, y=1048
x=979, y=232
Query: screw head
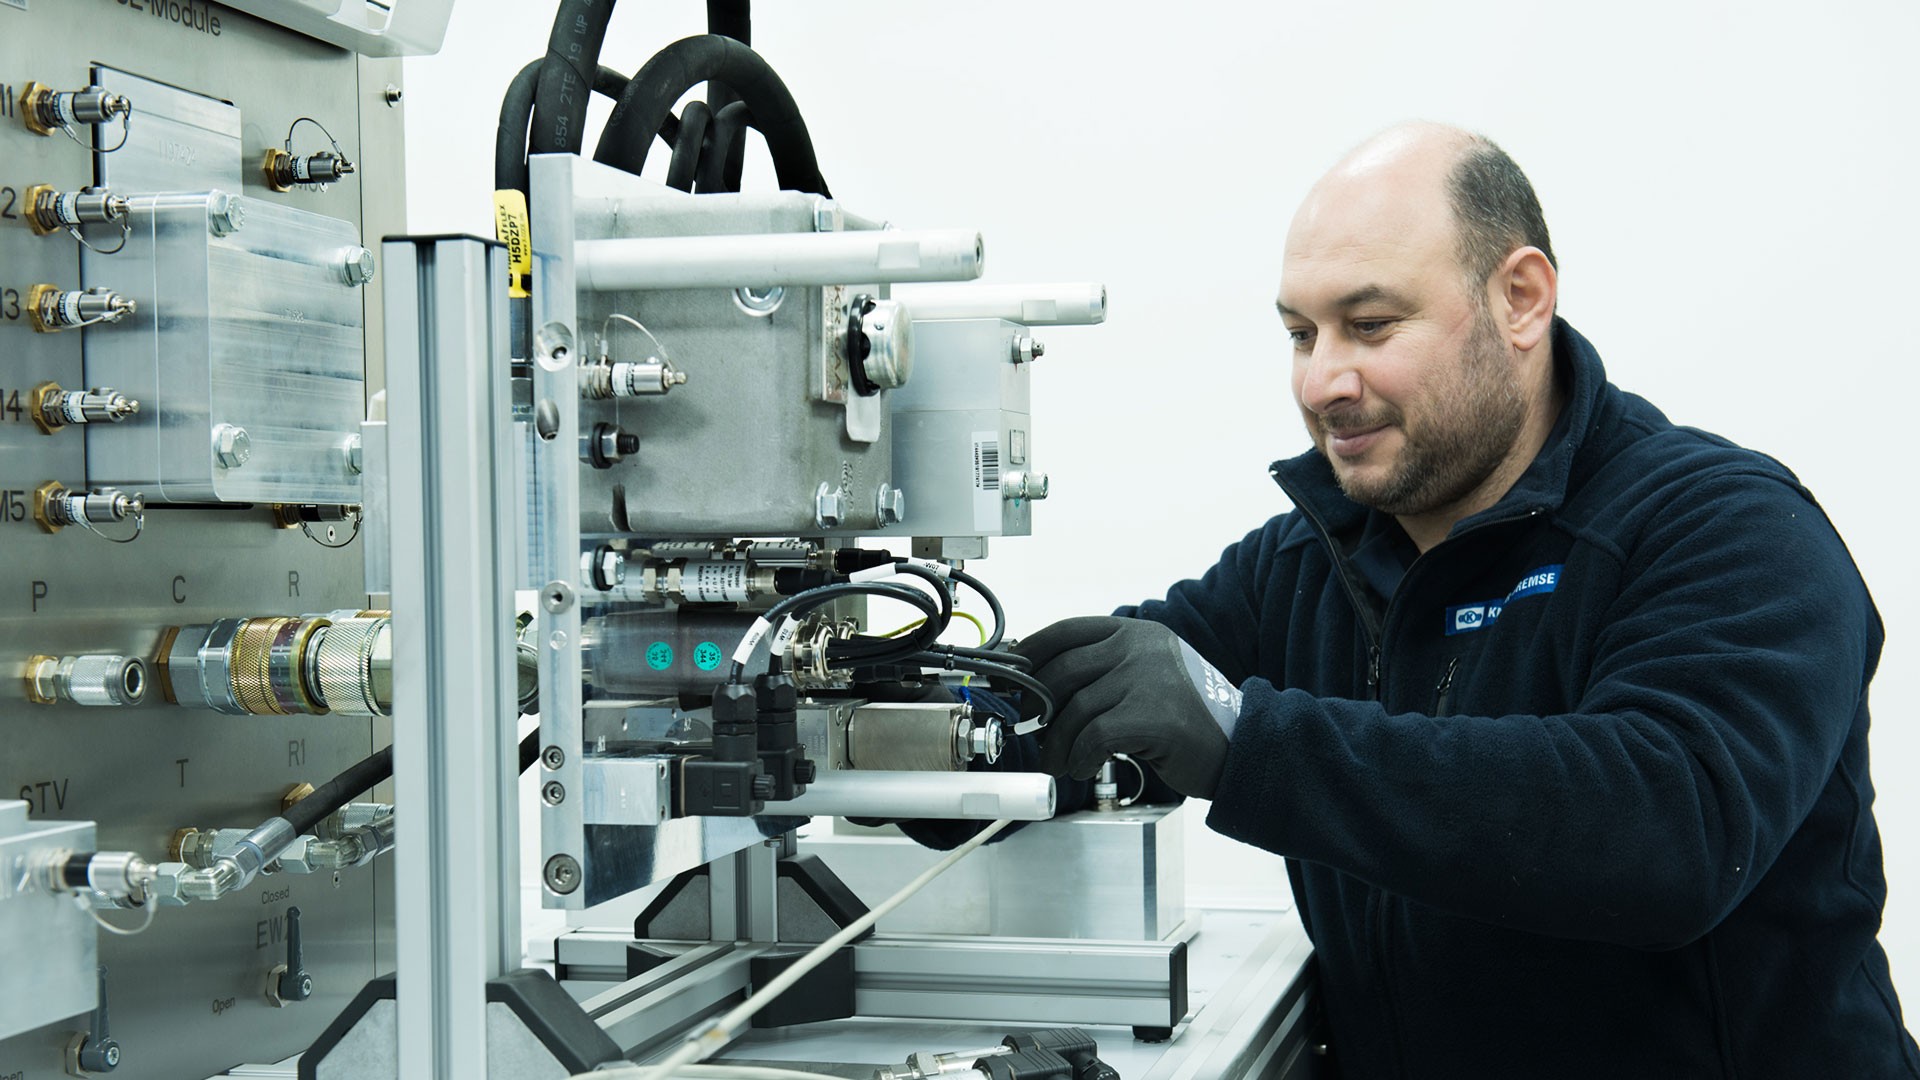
x=357, y=265
x=829, y=507
x=893, y=505
x=232, y=446
x=225, y=214
x=562, y=874
x=392, y=95
x=555, y=793
x=553, y=757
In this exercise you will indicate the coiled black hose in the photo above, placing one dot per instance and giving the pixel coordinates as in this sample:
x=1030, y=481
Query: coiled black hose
x=721, y=165
x=678, y=68
x=688, y=145
x=516, y=113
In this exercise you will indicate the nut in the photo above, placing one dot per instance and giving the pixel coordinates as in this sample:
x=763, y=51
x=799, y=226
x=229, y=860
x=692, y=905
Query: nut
x=232, y=446
x=357, y=265
x=225, y=214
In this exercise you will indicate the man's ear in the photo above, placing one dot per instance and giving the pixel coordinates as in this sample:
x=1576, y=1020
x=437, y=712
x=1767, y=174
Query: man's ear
x=1524, y=290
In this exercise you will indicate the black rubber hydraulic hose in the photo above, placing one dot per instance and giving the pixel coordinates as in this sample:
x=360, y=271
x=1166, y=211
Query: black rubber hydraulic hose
x=993, y=605
x=573, y=59
x=516, y=113
x=734, y=19
x=339, y=791
x=720, y=166
x=678, y=68
x=688, y=145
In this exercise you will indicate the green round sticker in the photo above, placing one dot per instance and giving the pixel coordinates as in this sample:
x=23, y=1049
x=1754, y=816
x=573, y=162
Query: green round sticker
x=659, y=656
x=706, y=656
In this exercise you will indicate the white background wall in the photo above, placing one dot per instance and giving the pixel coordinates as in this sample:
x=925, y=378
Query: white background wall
x=1730, y=187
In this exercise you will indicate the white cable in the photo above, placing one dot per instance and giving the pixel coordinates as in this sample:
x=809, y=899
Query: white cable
x=722, y=1031
x=722, y=1071
x=121, y=930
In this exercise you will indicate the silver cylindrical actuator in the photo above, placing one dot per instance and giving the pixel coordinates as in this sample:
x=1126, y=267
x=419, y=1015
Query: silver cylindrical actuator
x=966, y=796
x=1078, y=303
x=762, y=259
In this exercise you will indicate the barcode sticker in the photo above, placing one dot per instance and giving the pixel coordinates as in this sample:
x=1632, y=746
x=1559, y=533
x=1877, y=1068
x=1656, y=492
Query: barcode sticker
x=986, y=482
x=986, y=463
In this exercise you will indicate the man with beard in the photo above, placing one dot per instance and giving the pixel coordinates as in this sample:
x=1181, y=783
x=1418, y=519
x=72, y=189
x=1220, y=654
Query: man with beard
x=1556, y=710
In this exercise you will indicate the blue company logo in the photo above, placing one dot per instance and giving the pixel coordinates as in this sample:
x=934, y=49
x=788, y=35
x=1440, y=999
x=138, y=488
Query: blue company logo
x=1465, y=618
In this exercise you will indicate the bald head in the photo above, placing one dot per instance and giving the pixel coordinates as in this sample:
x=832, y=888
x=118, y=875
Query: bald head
x=1441, y=173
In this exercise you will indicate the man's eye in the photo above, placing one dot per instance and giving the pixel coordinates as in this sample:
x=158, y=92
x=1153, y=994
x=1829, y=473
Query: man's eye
x=1367, y=328
x=1301, y=338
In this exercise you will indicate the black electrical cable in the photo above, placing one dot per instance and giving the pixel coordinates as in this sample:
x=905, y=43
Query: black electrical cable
x=996, y=671
x=869, y=651
x=996, y=656
x=813, y=598
x=339, y=791
x=993, y=605
x=688, y=145
x=726, y=149
x=573, y=56
x=678, y=68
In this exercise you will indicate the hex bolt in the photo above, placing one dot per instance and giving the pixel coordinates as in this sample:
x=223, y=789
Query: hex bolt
x=355, y=454
x=562, y=874
x=225, y=214
x=232, y=446
x=893, y=505
x=1026, y=349
x=392, y=95
x=829, y=506
x=357, y=266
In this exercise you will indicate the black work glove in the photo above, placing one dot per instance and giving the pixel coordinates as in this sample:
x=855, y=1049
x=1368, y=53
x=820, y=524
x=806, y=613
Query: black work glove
x=1128, y=686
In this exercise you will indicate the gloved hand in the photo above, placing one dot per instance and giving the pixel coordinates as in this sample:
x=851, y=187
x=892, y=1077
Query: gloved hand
x=1128, y=686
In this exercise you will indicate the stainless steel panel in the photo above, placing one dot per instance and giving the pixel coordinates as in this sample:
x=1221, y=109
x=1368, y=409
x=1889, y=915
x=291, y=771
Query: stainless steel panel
x=187, y=995
x=42, y=934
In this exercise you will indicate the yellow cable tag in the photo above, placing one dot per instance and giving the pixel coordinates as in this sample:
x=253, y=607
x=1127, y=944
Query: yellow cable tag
x=510, y=228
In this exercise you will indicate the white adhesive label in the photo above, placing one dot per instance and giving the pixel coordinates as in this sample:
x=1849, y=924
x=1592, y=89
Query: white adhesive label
x=788, y=628
x=714, y=582
x=752, y=641
x=939, y=568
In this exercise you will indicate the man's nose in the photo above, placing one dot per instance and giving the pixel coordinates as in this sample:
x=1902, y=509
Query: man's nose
x=1329, y=379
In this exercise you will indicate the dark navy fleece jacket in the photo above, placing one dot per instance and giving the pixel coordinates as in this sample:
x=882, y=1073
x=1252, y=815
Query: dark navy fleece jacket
x=1586, y=794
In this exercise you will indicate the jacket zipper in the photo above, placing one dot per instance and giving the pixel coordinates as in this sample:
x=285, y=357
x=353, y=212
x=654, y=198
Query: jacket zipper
x=1444, y=691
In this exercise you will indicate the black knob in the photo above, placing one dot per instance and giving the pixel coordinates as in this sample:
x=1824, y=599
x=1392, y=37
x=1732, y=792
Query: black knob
x=294, y=983
x=763, y=787
x=804, y=771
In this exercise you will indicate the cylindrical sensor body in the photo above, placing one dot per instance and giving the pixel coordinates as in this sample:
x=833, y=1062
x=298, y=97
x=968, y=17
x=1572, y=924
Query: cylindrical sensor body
x=661, y=653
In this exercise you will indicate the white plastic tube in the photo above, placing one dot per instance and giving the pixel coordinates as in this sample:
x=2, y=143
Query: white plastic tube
x=962, y=796
x=767, y=259
x=1073, y=303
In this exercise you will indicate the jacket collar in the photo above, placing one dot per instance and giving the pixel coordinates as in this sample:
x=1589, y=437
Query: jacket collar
x=1308, y=480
